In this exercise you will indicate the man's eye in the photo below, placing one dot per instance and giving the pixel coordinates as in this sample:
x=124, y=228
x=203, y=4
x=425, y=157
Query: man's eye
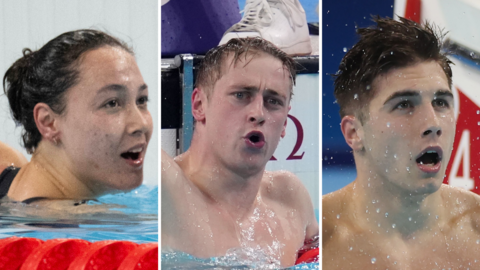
x=403, y=105
x=274, y=101
x=440, y=103
x=239, y=95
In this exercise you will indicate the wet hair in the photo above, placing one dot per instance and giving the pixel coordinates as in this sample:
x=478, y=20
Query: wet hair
x=46, y=74
x=210, y=69
x=390, y=44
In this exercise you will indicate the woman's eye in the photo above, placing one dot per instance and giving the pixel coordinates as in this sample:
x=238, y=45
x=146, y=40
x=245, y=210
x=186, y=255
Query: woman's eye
x=112, y=104
x=142, y=100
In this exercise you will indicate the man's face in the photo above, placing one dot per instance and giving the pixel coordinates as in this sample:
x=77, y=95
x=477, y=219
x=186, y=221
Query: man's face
x=409, y=132
x=246, y=112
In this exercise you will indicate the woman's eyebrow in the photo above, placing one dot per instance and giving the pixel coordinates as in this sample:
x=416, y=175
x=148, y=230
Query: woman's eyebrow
x=119, y=88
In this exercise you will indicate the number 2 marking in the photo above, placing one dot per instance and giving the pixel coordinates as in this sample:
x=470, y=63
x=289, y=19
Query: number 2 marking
x=293, y=155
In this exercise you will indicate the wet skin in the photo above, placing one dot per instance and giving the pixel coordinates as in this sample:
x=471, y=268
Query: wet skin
x=397, y=214
x=217, y=195
x=106, y=115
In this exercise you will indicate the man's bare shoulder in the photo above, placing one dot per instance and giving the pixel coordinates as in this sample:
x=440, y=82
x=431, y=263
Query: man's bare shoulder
x=335, y=215
x=172, y=173
x=283, y=186
x=462, y=204
x=10, y=157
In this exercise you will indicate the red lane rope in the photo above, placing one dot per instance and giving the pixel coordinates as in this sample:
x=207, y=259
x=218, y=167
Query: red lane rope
x=76, y=254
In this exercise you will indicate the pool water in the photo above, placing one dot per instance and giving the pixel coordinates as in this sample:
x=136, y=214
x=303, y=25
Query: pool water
x=235, y=259
x=131, y=216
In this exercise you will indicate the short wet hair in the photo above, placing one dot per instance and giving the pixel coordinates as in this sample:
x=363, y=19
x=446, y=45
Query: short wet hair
x=210, y=69
x=388, y=44
x=45, y=76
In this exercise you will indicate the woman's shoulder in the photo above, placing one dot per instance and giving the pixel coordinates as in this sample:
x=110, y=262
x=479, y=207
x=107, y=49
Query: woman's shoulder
x=10, y=157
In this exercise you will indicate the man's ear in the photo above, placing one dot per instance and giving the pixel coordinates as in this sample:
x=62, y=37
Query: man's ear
x=282, y=135
x=352, y=130
x=199, y=102
x=46, y=121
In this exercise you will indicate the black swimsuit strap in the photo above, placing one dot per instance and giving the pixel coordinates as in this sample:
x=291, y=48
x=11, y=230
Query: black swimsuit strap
x=6, y=179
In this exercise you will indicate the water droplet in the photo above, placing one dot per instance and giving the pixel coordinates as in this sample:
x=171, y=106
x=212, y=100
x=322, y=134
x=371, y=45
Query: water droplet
x=344, y=49
x=393, y=226
x=478, y=241
x=408, y=169
x=409, y=218
x=374, y=260
x=368, y=88
x=350, y=249
x=388, y=124
x=386, y=214
x=378, y=210
x=338, y=216
x=355, y=96
x=436, y=217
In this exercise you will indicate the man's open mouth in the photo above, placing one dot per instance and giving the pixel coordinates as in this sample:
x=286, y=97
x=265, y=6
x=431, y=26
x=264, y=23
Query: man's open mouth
x=429, y=160
x=255, y=139
x=430, y=157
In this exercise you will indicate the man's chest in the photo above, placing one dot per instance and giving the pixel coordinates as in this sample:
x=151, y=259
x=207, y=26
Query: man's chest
x=439, y=250
x=208, y=231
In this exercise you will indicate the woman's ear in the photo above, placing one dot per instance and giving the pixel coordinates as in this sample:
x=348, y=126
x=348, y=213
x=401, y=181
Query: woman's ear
x=46, y=121
x=199, y=102
x=352, y=131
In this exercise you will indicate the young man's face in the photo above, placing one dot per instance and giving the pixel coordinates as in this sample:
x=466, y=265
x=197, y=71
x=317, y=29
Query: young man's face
x=247, y=111
x=409, y=132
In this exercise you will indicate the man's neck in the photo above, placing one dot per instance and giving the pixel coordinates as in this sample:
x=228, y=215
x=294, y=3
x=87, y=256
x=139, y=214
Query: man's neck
x=388, y=209
x=232, y=190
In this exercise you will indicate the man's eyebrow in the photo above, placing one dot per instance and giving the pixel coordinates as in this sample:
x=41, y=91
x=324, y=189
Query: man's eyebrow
x=250, y=88
x=402, y=94
x=443, y=93
x=274, y=93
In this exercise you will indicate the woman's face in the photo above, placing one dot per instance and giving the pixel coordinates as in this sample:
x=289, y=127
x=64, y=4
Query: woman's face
x=106, y=126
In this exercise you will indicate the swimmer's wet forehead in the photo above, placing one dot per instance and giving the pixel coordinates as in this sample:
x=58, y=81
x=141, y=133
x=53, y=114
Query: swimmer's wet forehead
x=244, y=60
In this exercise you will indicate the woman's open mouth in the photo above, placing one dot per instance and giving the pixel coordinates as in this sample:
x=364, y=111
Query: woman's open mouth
x=134, y=156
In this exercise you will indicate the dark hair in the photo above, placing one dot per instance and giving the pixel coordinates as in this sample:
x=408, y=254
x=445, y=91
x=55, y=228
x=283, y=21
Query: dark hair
x=210, y=70
x=389, y=44
x=46, y=74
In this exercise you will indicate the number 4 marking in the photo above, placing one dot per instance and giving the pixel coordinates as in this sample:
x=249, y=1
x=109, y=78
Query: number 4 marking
x=463, y=152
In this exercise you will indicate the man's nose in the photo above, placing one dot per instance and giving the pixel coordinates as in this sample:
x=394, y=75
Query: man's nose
x=256, y=114
x=432, y=125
